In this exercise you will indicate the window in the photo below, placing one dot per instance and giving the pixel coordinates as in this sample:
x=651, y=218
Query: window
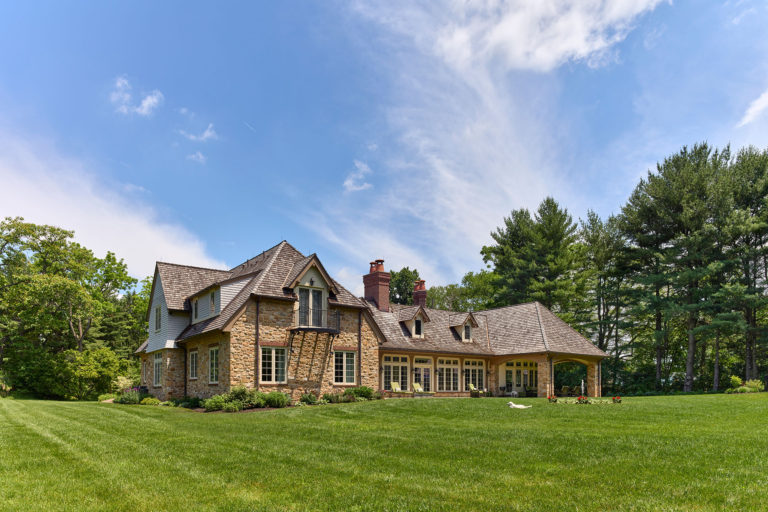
x=194, y=306
x=158, y=318
x=395, y=370
x=422, y=372
x=272, y=364
x=447, y=374
x=157, y=378
x=467, y=332
x=213, y=365
x=344, y=367
x=311, y=309
x=417, y=327
x=525, y=374
x=193, y=365
x=213, y=302
x=474, y=373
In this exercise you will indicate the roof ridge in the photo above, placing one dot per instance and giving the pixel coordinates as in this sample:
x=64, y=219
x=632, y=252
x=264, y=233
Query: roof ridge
x=541, y=326
x=268, y=267
x=191, y=266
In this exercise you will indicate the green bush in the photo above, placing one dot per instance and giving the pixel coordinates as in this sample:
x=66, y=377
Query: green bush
x=255, y=399
x=150, y=401
x=736, y=382
x=190, y=402
x=338, y=398
x=360, y=392
x=5, y=388
x=215, y=403
x=755, y=384
x=378, y=395
x=308, y=398
x=276, y=399
x=238, y=393
x=233, y=406
x=107, y=396
x=131, y=397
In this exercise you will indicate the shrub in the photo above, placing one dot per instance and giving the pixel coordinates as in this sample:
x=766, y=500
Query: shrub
x=5, y=388
x=132, y=396
x=190, y=402
x=755, y=384
x=150, y=401
x=233, y=406
x=215, y=403
x=238, y=393
x=168, y=403
x=255, y=399
x=308, y=398
x=107, y=396
x=360, y=392
x=276, y=399
x=736, y=381
x=378, y=395
x=87, y=374
x=122, y=383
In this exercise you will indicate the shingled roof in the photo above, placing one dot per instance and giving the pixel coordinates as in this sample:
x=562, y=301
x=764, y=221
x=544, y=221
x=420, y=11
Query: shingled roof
x=269, y=274
x=521, y=329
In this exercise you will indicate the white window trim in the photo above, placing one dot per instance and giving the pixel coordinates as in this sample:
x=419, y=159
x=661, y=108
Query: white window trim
x=442, y=366
x=311, y=301
x=406, y=363
x=285, y=360
x=196, y=366
x=482, y=368
x=344, y=381
x=211, y=350
x=413, y=327
x=157, y=376
x=429, y=365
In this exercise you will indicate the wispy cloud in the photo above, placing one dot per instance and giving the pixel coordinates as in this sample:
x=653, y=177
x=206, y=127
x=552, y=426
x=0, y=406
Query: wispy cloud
x=122, y=98
x=208, y=134
x=475, y=140
x=754, y=110
x=46, y=187
x=356, y=179
x=197, y=157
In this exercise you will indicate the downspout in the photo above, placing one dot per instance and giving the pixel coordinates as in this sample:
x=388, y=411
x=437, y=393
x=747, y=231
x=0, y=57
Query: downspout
x=185, y=370
x=360, y=347
x=257, y=369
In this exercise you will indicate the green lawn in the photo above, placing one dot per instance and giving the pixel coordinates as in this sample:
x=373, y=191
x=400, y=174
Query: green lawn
x=655, y=453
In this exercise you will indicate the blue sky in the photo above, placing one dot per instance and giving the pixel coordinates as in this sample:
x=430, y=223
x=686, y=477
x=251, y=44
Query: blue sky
x=203, y=134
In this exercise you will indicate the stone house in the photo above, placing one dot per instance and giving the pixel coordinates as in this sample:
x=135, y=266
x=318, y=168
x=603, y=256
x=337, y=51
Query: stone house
x=279, y=321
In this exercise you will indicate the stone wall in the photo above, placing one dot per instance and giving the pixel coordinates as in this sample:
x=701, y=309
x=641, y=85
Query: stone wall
x=172, y=382
x=202, y=387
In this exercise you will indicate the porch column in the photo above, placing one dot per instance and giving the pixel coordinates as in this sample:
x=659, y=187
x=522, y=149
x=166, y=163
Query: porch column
x=593, y=380
x=543, y=389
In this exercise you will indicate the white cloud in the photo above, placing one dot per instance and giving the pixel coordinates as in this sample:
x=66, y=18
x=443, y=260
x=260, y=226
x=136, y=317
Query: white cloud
x=122, y=98
x=197, y=157
x=208, y=134
x=355, y=180
x=45, y=187
x=755, y=109
x=473, y=105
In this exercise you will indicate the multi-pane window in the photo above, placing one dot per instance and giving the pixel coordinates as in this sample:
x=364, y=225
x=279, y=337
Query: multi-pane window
x=417, y=327
x=158, y=318
x=422, y=372
x=522, y=374
x=193, y=365
x=158, y=369
x=467, y=332
x=213, y=365
x=194, y=306
x=212, y=300
x=447, y=374
x=311, y=309
x=474, y=373
x=272, y=364
x=344, y=367
x=395, y=370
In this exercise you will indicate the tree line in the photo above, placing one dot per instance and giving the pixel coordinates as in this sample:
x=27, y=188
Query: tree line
x=673, y=287
x=69, y=321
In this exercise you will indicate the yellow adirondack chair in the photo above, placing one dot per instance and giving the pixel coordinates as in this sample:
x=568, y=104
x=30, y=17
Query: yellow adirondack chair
x=417, y=387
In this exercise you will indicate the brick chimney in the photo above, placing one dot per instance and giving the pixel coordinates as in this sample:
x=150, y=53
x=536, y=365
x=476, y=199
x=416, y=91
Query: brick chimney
x=420, y=293
x=376, y=284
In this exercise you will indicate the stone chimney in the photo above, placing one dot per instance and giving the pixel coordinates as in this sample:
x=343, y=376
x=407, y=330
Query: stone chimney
x=376, y=284
x=420, y=293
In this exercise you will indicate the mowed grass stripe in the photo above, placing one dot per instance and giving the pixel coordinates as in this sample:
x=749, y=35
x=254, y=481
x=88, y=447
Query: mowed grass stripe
x=665, y=453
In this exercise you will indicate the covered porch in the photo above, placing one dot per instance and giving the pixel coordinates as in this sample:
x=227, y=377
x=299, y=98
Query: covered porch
x=534, y=374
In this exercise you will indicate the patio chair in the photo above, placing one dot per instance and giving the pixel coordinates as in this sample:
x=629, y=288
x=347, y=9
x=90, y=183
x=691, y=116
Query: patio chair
x=397, y=389
x=418, y=391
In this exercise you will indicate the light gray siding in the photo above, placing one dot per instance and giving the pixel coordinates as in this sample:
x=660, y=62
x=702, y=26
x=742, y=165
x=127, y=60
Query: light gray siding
x=229, y=290
x=204, y=305
x=170, y=325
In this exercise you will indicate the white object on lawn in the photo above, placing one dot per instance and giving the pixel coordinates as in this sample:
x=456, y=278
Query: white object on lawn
x=513, y=405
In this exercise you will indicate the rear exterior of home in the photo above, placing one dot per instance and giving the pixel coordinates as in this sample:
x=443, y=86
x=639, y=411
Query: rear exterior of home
x=279, y=321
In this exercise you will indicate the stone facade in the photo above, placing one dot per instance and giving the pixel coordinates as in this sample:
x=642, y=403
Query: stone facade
x=172, y=379
x=202, y=386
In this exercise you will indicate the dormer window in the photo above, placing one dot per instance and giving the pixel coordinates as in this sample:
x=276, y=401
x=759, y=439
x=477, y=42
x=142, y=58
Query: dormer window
x=311, y=310
x=417, y=327
x=158, y=321
x=194, y=307
x=213, y=302
x=467, y=332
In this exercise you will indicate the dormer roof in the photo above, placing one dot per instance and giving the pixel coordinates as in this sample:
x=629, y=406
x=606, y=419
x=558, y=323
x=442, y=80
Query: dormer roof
x=409, y=313
x=457, y=320
x=302, y=266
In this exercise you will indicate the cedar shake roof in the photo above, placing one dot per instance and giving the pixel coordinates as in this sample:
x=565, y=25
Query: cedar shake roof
x=142, y=347
x=269, y=272
x=181, y=281
x=521, y=329
x=408, y=313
